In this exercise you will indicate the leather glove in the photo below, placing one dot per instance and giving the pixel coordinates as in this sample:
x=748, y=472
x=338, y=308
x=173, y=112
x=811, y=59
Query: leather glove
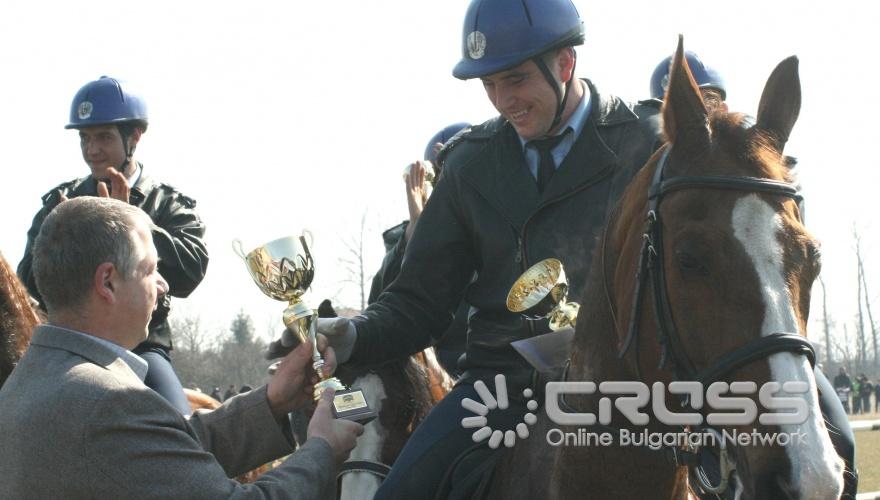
x=340, y=332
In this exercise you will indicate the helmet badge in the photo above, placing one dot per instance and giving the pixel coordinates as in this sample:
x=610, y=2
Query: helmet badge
x=84, y=110
x=664, y=83
x=476, y=44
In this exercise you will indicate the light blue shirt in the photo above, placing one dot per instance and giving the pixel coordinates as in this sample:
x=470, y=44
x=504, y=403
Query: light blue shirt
x=136, y=176
x=575, y=122
x=137, y=364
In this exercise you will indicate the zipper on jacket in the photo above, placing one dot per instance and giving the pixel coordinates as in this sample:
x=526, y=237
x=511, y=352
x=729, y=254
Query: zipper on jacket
x=520, y=240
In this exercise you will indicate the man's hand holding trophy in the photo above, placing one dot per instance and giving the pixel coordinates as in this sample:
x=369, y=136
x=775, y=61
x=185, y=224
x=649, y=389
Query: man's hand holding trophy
x=284, y=269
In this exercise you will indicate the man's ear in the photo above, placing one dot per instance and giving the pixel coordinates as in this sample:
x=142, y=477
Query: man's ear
x=566, y=58
x=105, y=281
x=134, y=138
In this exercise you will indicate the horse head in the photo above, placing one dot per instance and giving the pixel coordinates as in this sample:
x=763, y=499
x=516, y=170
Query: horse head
x=725, y=268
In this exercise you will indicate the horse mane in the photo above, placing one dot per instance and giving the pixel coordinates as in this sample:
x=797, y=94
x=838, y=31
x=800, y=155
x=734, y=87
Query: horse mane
x=17, y=319
x=750, y=144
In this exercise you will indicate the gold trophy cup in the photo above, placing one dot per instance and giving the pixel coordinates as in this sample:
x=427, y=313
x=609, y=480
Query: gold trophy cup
x=540, y=292
x=283, y=269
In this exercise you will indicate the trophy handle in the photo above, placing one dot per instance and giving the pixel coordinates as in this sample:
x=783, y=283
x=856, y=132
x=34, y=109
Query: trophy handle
x=237, y=248
x=311, y=239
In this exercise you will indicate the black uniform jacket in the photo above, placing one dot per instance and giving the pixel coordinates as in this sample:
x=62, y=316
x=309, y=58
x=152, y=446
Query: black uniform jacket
x=487, y=217
x=178, y=235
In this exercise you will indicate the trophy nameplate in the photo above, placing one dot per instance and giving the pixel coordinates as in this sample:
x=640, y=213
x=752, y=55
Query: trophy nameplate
x=351, y=405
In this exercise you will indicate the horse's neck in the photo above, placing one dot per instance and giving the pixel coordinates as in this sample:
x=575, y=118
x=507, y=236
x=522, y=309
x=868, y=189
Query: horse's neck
x=438, y=379
x=17, y=319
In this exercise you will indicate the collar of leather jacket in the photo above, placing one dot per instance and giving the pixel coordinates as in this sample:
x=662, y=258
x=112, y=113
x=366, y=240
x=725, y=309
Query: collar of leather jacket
x=88, y=186
x=489, y=159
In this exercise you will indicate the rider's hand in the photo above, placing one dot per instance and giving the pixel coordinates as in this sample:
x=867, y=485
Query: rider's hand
x=340, y=333
x=118, y=186
x=340, y=434
x=416, y=191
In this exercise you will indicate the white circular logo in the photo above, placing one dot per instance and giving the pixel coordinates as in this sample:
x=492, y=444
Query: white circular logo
x=501, y=402
x=84, y=110
x=476, y=44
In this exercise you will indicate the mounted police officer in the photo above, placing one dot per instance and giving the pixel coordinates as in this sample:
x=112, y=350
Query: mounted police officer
x=537, y=181
x=111, y=119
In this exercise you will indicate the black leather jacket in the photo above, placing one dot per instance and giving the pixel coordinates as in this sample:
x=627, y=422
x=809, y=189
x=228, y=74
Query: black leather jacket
x=183, y=257
x=487, y=216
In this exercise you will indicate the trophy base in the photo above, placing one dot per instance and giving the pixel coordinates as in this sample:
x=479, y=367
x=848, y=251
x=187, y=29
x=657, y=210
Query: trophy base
x=351, y=405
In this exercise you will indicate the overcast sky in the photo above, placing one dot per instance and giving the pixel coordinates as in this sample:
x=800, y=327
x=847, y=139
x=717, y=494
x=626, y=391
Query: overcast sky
x=278, y=116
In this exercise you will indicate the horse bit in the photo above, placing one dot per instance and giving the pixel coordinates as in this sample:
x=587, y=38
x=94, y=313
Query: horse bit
x=651, y=265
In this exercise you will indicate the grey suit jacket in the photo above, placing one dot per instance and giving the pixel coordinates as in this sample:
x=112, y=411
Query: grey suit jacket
x=76, y=422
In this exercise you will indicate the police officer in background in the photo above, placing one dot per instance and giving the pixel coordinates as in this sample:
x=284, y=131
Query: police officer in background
x=538, y=181
x=714, y=93
x=111, y=119
x=419, y=177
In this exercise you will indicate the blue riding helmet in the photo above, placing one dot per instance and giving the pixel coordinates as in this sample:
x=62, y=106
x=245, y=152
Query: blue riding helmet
x=443, y=137
x=105, y=101
x=705, y=76
x=501, y=34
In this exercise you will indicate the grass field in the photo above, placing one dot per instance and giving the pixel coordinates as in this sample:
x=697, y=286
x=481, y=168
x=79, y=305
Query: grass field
x=868, y=455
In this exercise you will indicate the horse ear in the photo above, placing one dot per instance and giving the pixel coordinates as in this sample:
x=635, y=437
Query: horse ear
x=685, y=119
x=781, y=102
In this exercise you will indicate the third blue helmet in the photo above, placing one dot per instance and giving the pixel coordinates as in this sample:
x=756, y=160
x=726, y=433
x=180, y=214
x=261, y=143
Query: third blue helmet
x=443, y=137
x=501, y=34
x=106, y=101
x=705, y=76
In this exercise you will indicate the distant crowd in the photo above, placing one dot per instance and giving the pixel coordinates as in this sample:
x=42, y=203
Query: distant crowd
x=855, y=393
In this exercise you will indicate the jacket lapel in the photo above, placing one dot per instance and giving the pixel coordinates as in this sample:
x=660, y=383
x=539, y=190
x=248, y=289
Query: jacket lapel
x=499, y=172
x=590, y=157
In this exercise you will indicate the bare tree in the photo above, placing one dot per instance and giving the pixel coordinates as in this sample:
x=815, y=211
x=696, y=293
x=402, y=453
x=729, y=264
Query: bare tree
x=188, y=332
x=860, y=333
x=846, y=355
x=826, y=324
x=863, y=285
x=354, y=261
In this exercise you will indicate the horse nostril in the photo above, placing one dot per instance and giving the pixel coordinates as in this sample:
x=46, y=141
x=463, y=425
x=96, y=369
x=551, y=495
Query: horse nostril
x=785, y=489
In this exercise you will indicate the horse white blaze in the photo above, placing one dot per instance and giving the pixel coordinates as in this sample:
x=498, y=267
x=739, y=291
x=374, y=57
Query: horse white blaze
x=817, y=471
x=360, y=485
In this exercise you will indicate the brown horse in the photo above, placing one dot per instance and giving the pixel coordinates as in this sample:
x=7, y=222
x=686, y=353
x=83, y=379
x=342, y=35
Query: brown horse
x=402, y=392
x=703, y=274
x=17, y=319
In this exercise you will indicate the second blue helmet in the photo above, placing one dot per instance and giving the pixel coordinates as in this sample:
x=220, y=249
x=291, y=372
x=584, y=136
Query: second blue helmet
x=705, y=76
x=106, y=101
x=443, y=137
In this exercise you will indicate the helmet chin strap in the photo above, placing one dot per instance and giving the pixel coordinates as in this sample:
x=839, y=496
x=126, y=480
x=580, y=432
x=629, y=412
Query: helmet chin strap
x=561, y=98
x=125, y=134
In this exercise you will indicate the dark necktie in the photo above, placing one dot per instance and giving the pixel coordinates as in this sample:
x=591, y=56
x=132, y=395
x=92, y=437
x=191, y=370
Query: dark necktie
x=546, y=165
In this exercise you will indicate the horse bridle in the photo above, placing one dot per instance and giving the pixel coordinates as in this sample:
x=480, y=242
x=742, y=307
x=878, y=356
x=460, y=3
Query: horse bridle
x=651, y=265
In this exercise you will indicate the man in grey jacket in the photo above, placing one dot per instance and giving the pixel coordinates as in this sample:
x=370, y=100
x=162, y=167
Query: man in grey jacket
x=77, y=421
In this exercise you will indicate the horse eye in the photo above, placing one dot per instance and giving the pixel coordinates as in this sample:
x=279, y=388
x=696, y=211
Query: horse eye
x=814, y=253
x=689, y=263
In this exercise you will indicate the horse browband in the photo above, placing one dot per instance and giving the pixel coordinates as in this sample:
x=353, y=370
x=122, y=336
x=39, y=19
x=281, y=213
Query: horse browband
x=651, y=263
